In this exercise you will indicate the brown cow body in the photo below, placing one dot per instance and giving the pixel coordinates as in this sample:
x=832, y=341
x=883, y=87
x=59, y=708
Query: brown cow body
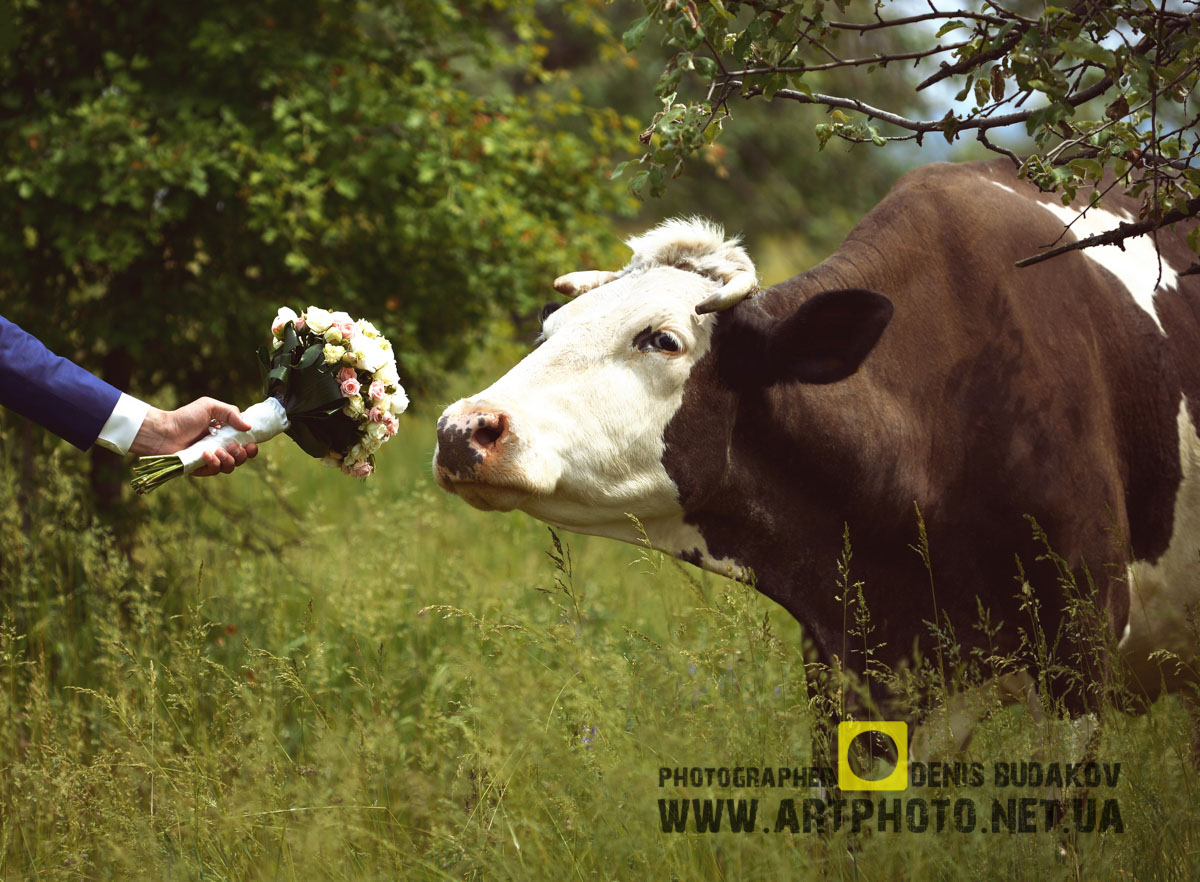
x=1068, y=392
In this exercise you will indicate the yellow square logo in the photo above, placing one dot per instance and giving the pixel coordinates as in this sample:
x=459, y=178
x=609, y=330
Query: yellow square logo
x=897, y=731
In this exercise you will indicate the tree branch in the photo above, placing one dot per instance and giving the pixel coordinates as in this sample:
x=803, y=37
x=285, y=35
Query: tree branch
x=949, y=70
x=922, y=126
x=913, y=19
x=850, y=62
x=996, y=148
x=1119, y=234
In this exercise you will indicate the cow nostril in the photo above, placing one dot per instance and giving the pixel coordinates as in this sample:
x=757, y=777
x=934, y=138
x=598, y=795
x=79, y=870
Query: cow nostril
x=489, y=433
x=486, y=437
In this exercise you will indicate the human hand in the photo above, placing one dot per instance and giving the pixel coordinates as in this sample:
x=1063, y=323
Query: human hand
x=165, y=432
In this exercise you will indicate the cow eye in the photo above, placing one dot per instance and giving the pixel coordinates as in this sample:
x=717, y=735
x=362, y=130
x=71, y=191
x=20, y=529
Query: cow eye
x=662, y=341
x=547, y=310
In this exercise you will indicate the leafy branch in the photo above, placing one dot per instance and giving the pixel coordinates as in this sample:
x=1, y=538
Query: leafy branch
x=1084, y=95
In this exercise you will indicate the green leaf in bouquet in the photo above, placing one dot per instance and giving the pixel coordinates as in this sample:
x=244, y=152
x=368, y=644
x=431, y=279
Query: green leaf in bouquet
x=338, y=431
x=283, y=355
x=310, y=356
x=329, y=431
x=264, y=365
x=312, y=389
x=299, y=432
x=279, y=372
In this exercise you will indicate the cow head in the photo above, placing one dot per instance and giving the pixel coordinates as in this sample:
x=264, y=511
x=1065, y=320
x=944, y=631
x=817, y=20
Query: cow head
x=573, y=435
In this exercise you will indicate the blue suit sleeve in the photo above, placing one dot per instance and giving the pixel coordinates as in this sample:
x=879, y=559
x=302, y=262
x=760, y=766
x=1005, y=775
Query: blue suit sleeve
x=53, y=391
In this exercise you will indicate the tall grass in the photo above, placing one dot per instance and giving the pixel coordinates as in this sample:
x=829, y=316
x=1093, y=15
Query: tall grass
x=300, y=676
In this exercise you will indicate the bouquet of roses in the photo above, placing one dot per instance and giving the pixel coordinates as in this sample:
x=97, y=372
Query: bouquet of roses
x=331, y=385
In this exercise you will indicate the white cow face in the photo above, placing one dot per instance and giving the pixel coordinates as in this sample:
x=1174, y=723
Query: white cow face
x=573, y=434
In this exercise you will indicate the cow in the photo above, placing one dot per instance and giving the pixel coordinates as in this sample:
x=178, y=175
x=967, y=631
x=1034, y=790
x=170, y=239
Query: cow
x=1035, y=423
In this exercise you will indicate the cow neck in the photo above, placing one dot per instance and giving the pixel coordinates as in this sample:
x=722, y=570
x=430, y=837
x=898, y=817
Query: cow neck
x=738, y=455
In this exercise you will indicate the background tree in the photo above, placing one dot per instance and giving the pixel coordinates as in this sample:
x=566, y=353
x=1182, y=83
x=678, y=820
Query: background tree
x=1095, y=87
x=173, y=172
x=762, y=179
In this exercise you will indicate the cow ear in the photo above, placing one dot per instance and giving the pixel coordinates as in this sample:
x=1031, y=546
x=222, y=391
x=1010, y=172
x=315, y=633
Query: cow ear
x=828, y=337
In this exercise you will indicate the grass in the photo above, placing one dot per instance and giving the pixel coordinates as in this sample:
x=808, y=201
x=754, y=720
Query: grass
x=301, y=676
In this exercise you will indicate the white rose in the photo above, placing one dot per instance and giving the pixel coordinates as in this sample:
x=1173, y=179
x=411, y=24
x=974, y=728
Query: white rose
x=388, y=374
x=371, y=356
x=342, y=318
x=333, y=354
x=366, y=328
x=286, y=314
x=399, y=402
x=354, y=409
x=318, y=320
x=376, y=432
x=333, y=335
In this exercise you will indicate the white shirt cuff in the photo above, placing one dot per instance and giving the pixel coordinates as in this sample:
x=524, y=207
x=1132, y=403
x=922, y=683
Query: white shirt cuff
x=123, y=424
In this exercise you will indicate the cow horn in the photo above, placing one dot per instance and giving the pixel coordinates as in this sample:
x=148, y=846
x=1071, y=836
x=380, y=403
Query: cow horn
x=574, y=284
x=732, y=292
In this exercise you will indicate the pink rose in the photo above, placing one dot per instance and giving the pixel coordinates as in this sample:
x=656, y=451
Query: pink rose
x=361, y=469
x=378, y=390
x=347, y=373
x=301, y=324
x=350, y=386
x=375, y=415
x=347, y=329
x=391, y=424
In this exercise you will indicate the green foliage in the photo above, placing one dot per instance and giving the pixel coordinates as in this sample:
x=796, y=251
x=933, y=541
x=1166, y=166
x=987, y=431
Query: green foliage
x=174, y=173
x=1096, y=87
x=759, y=179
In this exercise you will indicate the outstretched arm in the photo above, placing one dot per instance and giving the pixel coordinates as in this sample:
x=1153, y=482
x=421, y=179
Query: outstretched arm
x=84, y=410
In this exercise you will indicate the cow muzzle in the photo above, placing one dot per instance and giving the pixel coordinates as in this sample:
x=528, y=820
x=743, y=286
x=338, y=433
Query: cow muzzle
x=474, y=457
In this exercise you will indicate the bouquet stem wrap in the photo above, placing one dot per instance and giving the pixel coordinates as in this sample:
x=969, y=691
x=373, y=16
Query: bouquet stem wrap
x=267, y=419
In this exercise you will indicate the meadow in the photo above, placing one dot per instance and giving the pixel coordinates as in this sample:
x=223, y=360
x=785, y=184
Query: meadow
x=296, y=675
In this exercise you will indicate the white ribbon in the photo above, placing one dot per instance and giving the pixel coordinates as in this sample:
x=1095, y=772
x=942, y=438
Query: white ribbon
x=267, y=419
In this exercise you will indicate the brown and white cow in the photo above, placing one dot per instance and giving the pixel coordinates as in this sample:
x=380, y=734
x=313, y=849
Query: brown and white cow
x=745, y=428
